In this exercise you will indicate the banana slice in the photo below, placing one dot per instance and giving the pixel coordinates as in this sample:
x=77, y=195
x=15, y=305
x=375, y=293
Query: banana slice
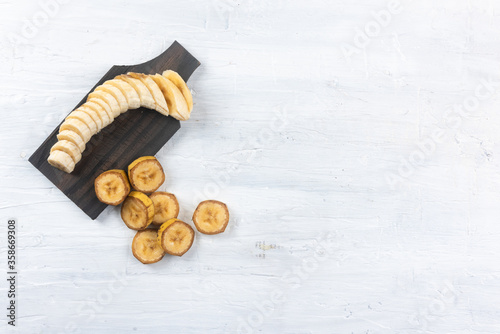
x=69, y=148
x=100, y=112
x=145, y=96
x=98, y=103
x=77, y=126
x=166, y=207
x=72, y=137
x=181, y=84
x=93, y=114
x=109, y=99
x=61, y=160
x=175, y=237
x=146, y=174
x=131, y=95
x=137, y=211
x=85, y=118
x=177, y=105
x=160, y=103
x=112, y=186
x=211, y=217
x=145, y=247
x=117, y=94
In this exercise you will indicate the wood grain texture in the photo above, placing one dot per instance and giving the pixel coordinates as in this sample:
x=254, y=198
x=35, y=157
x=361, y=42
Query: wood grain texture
x=136, y=133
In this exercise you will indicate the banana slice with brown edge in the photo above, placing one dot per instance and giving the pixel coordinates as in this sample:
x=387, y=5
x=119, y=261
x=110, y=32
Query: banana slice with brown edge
x=72, y=137
x=117, y=94
x=103, y=105
x=137, y=211
x=146, y=174
x=112, y=186
x=181, y=84
x=166, y=207
x=160, y=103
x=145, y=247
x=61, y=160
x=177, y=106
x=78, y=127
x=69, y=148
x=145, y=96
x=84, y=118
x=99, y=112
x=175, y=237
x=128, y=91
x=93, y=114
x=113, y=104
x=211, y=217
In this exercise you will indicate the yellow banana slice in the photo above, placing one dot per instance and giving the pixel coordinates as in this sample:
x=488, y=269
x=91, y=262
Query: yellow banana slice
x=72, y=137
x=69, y=148
x=211, y=217
x=85, y=118
x=177, y=105
x=145, y=247
x=166, y=207
x=77, y=126
x=98, y=105
x=175, y=237
x=128, y=91
x=109, y=99
x=137, y=211
x=181, y=84
x=117, y=94
x=145, y=96
x=61, y=160
x=112, y=186
x=160, y=103
x=146, y=174
x=93, y=114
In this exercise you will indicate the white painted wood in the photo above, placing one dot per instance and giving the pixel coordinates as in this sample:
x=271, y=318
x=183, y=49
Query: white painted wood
x=328, y=163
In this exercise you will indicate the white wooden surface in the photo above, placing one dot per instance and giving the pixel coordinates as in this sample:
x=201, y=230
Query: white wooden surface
x=361, y=200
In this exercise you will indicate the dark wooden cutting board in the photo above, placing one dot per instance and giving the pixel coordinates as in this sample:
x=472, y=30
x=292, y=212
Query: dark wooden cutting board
x=136, y=133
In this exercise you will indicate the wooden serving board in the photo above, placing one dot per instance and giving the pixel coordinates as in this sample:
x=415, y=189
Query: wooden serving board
x=136, y=133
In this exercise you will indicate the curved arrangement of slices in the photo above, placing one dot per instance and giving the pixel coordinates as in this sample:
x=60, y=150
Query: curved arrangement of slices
x=166, y=93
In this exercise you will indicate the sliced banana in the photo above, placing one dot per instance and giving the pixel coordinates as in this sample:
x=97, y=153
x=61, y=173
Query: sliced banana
x=68, y=147
x=93, y=114
x=146, y=174
x=161, y=104
x=211, y=217
x=72, y=137
x=100, y=112
x=177, y=105
x=166, y=207
x=131, y=95
x=175, y=237
x=77, y=126
x=61, y=160
x=103, y=105
x=181, y=84
x=82, y=116
x=145, y=247
x=117, y=94
x=145, y=96
x=112, y=186
x=109, y=99
x=137, y=211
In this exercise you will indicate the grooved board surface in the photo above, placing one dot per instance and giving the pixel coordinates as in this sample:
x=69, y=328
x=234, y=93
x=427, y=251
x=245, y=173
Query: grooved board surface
x=135, y=133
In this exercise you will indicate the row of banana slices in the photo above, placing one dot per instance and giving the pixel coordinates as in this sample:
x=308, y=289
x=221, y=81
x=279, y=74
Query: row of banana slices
x=166, y=93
